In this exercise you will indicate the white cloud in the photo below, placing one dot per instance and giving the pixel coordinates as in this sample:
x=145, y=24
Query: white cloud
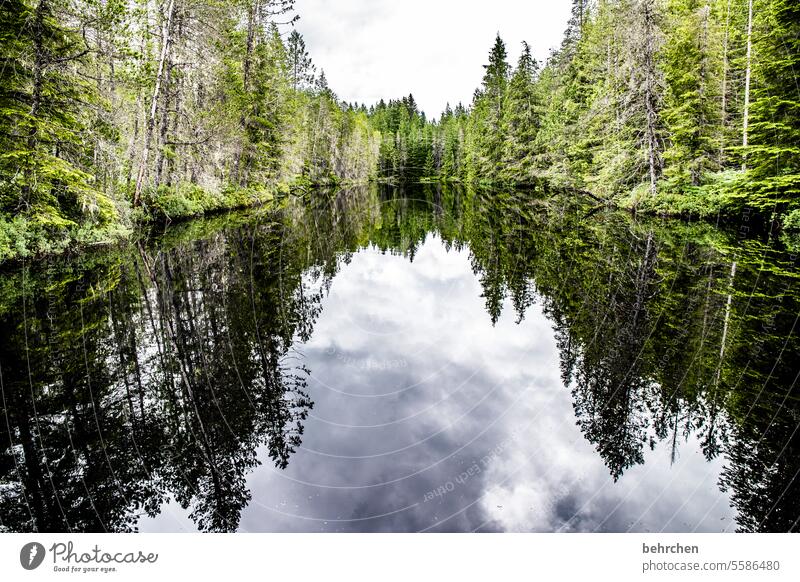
x=435, y=49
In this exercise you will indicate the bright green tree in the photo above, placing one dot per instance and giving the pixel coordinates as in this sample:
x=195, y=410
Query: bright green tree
x=692, y=104
x=773, y=155
x=45, y=110
x=521, y=119
x=485, y=149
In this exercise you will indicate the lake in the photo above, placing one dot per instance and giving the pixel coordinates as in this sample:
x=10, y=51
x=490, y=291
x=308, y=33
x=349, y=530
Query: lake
x=418, y=358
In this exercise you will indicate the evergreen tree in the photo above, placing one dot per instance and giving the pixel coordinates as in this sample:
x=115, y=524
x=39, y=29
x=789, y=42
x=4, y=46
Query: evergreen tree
x=521, y=119
x=485, y=150
x=773, y=155
x=46, y=107
x=301, y=68
x=691, y=110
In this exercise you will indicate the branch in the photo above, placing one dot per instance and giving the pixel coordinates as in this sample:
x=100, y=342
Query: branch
x=188, y=143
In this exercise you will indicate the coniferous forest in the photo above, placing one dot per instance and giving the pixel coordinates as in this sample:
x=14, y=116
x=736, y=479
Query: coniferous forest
x=231, y=300
x=115, y=113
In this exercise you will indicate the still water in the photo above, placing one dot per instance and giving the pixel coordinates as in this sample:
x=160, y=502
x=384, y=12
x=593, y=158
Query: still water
x=406, y=359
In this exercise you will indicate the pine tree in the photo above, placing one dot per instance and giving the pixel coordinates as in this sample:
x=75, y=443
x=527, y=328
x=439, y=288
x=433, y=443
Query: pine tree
x=521, y=119
x=45, y=111
x=773, y=153
x=691, y=111
x=301, y=66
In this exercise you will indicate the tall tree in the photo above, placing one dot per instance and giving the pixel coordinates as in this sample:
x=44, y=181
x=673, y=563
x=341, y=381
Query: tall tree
x=46, y=110
x=521, y=119
x=773, y=152
x=486, y=150
x=301, y=66
x=691, y=109
x=166, y=45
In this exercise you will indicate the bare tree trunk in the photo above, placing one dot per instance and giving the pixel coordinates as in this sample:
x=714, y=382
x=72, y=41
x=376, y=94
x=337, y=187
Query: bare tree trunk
x=151, y=120
x=718, y=372
x=697, y=165
x=745, y=117
x=163, y=123
x=39, y=63
x=252, y=19
x=651, y=113
x=174, y=131
x=137, y=115
x=252, y=22
x=725, y=66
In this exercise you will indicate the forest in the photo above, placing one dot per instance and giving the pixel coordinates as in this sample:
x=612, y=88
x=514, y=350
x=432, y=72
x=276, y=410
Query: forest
x=118, y=113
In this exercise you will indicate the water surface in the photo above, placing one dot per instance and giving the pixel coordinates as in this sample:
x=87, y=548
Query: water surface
x=405, y=359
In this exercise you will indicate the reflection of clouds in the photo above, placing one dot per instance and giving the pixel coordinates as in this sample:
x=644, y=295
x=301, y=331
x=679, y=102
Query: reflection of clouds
x=382, y=438
x=568, y=489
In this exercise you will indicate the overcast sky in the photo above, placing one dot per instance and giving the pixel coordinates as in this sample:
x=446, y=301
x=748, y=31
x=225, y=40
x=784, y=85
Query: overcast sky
x=373, y=49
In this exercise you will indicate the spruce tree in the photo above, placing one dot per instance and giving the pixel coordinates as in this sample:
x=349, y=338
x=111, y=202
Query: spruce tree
x=773, y=154
x=521, y=120
x=45, y=110
x=692, y=104
x=486, y=139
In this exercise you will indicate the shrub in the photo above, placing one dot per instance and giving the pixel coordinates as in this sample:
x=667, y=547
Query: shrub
x=186, y=200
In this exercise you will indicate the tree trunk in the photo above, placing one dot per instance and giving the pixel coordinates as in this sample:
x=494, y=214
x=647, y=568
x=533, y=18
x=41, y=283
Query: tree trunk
x=174, y=132
x=252, y=21
x=745, y=117
x=40, y=61
x=651, y=114
x=718, y=373
x=725, y=66
x=151, y=120
x=163, y=124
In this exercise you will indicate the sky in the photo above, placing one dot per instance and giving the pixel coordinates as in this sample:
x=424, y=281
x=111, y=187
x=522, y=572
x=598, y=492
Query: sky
x=374, y=49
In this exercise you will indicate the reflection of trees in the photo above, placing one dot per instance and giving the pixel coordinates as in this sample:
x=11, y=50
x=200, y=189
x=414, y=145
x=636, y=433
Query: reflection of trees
x=656, y=328
x=763, y=473
x=611, y=392
x=68, y=430
x=134, y=377
x=157, y=375
x=224, y=311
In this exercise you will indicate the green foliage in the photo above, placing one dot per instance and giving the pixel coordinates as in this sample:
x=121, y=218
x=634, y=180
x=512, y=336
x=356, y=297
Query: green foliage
x=791, y=221
x=691, y=109
x=47, y=182
x=44, y=231
x=521, y=120
x=406, y=138
x=301, y=68
x=486, y=139
x=643, y=103
x=114, y=112
x=773, y=155
x=791, y=230
x=186, y=200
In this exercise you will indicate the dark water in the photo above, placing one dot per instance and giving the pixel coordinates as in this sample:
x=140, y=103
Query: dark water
x=403, y=360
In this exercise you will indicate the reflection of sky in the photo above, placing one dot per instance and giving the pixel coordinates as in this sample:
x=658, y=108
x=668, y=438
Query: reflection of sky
x=415, y=392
